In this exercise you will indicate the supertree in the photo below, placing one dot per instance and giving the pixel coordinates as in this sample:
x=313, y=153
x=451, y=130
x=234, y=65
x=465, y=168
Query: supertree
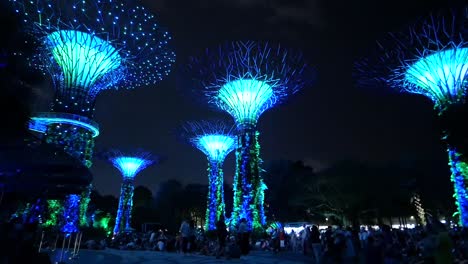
x=431, y=58
x=216, y=140
x=129, y=164
x=245, y=79
x=87, y=46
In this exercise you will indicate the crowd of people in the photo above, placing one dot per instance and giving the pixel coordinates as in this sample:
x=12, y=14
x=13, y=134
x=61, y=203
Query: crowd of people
x=434, y=243
x=189, y=240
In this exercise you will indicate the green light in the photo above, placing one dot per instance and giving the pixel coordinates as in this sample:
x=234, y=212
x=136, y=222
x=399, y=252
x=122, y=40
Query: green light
x=83, y=57
x=441, y=76
x=54, y=210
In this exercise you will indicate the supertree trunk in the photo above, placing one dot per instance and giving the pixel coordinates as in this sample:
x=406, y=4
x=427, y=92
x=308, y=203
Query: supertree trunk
x=124, y=212
x=211, y=202
x=70, y=216
x=220, y=206
x=84, y=204
x=54, y=213
x=248, y=190
x=79, y=143
x=73, y=100
x=454, y=135
x=76, y=141
x=215, y=207
x=459, y=168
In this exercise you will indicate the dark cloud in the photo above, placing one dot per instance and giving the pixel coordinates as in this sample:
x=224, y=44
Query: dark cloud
x=308, y=12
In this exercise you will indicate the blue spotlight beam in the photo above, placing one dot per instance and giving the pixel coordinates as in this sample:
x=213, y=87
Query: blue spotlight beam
x=431, y=58
x=129, y=164
x=216, y=141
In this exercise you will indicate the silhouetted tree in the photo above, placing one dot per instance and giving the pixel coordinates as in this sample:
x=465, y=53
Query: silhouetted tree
x=169, y=202
x=106, y=203
x=142, y=197
x=144, y=210
x=287, y=183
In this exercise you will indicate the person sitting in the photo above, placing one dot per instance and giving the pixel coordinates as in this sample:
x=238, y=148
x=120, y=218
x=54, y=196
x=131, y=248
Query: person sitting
x=160, y=245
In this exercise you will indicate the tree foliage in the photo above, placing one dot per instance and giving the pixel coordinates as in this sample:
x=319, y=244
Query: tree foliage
x=287, y=183
x=352, y=192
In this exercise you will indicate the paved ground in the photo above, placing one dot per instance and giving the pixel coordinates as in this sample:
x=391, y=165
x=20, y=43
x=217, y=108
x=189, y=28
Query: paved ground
x=110, y=256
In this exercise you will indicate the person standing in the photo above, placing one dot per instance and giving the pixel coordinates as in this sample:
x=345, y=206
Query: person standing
x=243, y=236
x=316, y=243
x=282, y=239
x=192, y=245
x=221, y=233
x=293, y=241
x=305, y=234
x=363, y=234
x=185, y=235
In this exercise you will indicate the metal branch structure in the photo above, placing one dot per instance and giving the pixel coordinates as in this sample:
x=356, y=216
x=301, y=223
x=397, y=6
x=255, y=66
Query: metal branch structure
x=245, y=79
x=129, y=165
x=87, y=46
x=431, y=59
x=216, y=140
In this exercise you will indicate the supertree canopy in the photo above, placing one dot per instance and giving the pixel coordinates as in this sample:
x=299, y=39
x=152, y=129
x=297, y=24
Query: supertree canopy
x=88, y=46
x=92, y=45
x=216, y=141
x=245, y=79
x=129, y=164
x=431, y=58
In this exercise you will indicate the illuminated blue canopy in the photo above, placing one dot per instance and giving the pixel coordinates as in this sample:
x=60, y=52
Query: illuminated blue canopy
x=441, y=76
x=246, y=99
x=246, y=78
x=83, y=58
x=214, y=138
x=215, y=147
x=130, y=166
x=96, y=44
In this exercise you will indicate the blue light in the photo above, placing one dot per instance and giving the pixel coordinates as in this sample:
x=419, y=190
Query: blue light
x=130, y=166
x=93, y=45
x=459, y=170
x=246, y=99
x=40, y=122
x=431, y=58
x=245, y=79
x=83, y=57
x=71, y=214
x=216, y=147
x=440, y=76
x=214, y=138
x=216, y=141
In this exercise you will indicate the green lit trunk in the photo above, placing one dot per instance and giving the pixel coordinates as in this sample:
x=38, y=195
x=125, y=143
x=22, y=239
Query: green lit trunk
x=215, y=208
x=455, y=136
x=248, y=185
x=78, y=143
x=124, y=212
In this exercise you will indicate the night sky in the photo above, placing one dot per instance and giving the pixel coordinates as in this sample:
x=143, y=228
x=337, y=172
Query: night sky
x=331, y=120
